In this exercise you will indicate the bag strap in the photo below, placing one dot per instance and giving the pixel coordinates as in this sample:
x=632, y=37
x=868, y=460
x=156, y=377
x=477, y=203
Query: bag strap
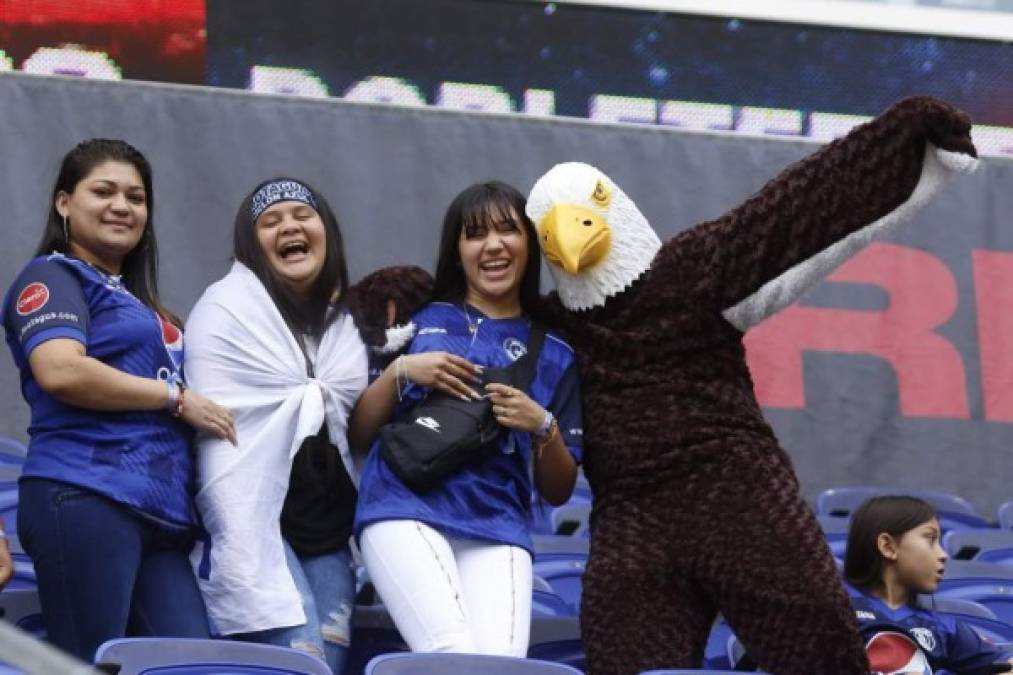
x=525, y=366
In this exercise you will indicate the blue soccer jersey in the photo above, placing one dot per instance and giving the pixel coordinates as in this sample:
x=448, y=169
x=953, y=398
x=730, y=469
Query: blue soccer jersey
x=915, y=639
x=489, y=500
x=141, y=459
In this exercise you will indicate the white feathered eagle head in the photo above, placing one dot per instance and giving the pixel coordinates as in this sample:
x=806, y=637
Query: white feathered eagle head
x=593, y=236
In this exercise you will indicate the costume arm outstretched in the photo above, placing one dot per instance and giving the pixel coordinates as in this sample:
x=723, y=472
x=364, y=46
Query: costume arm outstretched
x=761, y=256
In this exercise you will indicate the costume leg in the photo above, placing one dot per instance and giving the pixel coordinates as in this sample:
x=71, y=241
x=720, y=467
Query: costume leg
x=772, y=576
x=639, y=610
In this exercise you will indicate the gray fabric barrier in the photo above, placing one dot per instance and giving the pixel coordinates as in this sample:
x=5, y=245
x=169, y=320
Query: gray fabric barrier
x=390, y=172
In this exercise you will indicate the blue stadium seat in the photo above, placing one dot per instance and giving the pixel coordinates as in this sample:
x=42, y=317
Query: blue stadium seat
x=954, y=512
x=20, y=607
x=546, y=602
x=835, y=530
x=684, y=671
x=542, y=512
x=573, y=519
x=9, y=506
x=997, y=598
x=373, y=633
x=988, y=584
x=976, y=614
x=966, y=608
x=564, y=573
x=970, y=544
x=557, y=547
x=958, y=570
x=1004, y=515
x=557, y=639
x=715, y=653
x=184, y=656
x=12, y=452
x=462, y=664
x=1003, y=556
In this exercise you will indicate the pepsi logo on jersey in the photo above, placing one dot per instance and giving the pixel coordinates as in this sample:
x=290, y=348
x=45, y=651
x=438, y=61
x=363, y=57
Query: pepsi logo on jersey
x=171, y=335
x=892, y=653
x=32, y=298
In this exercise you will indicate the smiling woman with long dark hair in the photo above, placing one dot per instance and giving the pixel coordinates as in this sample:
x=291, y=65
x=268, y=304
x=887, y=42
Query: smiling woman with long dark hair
x=275, y=340
x=453, y=563
x=105, y=508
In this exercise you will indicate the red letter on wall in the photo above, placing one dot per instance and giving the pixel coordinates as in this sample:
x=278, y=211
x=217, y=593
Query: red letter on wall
x=993, y=294
x=923, y=296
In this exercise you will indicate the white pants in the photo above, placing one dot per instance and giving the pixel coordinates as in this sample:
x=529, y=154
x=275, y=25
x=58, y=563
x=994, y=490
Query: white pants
x=450, y=595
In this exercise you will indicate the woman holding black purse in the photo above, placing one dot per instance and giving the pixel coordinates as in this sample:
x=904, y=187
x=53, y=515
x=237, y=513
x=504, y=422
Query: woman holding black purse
x=452, y=562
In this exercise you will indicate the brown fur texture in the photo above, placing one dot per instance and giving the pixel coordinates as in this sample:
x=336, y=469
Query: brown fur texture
x=696, y=507
x=408, y=286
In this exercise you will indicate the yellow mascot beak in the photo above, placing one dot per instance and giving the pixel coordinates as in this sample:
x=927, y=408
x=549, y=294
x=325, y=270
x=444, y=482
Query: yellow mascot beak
x=574, y=238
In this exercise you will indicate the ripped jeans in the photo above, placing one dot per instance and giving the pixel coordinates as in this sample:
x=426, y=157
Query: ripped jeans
x=327, y=586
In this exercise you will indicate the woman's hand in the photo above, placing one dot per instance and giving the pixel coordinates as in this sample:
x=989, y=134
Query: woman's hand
x=205, y=415
x=514, y=409
x=446, y=372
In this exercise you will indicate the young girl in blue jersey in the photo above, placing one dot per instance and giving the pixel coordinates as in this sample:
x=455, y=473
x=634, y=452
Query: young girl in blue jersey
x=453, y=564
x=893, y=554
x=274, y=341
x=105, y=508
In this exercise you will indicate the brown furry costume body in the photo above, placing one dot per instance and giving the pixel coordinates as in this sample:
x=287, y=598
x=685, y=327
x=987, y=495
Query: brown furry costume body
x=696, y=506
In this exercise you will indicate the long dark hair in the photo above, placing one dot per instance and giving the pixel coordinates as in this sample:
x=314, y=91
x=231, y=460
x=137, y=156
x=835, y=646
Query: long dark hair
x=307, y=315
x=483, y=204
x=139, y=271
x=893, y=515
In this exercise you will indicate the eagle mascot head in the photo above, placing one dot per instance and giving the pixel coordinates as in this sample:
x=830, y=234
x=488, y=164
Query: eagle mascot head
x=595, y=239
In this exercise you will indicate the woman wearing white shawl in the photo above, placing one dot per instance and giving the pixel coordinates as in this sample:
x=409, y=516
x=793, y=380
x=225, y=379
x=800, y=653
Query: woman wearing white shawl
x=272, y=342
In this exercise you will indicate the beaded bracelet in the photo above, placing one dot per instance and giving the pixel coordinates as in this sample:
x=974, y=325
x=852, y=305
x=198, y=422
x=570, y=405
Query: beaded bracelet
x=178, y=412
x=173, y=401
x=174, y=406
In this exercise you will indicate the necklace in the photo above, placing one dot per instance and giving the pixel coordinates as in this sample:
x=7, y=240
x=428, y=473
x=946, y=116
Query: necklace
x=472, y=325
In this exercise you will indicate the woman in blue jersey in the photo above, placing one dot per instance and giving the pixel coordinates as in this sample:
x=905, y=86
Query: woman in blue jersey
x=274, y=342
x=105, y=508
x=453, y=564
x=893, y=554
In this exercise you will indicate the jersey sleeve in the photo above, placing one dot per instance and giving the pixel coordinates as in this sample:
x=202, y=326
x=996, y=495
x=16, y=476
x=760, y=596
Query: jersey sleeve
x=565, y=406
x=47, y=302
x=968, y=651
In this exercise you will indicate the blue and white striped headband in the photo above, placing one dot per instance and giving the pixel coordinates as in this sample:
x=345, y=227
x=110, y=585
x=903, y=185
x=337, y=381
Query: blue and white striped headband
x=284, y=190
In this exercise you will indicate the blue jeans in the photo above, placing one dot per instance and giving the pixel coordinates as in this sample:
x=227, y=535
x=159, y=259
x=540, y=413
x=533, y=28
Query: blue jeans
x=326, y=584
x=103, y=571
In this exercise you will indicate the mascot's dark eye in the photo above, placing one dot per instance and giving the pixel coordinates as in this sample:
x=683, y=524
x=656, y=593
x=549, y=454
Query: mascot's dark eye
x=588, y=223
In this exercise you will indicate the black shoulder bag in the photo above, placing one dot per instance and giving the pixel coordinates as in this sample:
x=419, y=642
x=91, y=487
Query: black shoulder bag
x=442, y=433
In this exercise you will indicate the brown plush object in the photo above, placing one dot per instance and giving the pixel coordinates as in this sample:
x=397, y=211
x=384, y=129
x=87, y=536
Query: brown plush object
x=696, y=507
x=407, y=286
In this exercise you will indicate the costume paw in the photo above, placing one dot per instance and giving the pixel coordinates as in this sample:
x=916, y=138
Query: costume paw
x=383, y=302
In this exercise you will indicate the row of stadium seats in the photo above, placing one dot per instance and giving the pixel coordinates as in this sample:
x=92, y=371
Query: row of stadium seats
x=977, y=587
x=955, y=513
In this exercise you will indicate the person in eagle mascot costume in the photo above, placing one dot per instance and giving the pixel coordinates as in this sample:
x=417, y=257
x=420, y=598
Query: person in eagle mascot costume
x=696, y=506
